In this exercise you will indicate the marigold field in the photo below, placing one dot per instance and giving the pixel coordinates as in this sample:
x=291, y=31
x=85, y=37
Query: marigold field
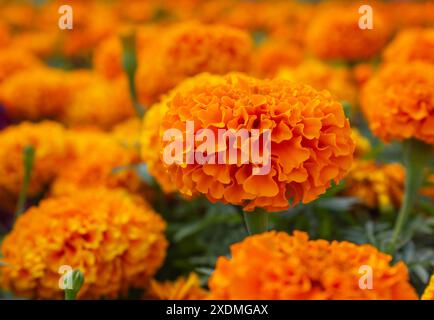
x=338, y=203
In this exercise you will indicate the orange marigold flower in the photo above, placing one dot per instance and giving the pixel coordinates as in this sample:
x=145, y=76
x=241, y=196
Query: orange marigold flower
x=323, y=76
x=115, y=239
x=362, y=72
x=273, y=55
x=186, y=49
x=275, y=265
x=334, y=34
x=107, y=58
x=48, y=139
x=87, y=169
x=363, y=146
x=429, y=291
x=47, y=94
x=376, y=186
x=310, y=140
x=40, y=43
x=13, y=60
x=181, y=289
x=150, y=137
x=398, y=102
x=103, y=103
x=411, y=45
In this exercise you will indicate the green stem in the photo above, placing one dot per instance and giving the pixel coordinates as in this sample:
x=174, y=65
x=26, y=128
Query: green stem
x=28, y=160
x=129, y=61
x=416, y=155
x=256, y=221
x=77, y=283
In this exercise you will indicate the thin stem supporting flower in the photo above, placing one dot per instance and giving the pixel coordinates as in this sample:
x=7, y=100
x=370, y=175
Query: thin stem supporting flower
x=256, y=221
x=416, y=156
x=28, y=160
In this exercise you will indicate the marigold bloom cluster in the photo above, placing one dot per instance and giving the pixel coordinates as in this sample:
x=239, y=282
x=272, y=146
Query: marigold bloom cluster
x=13, y=60
x=275, y=265
x=75, y=98
x=115, y=239
x=311, y=143
x=184, y=50
x=399, y=102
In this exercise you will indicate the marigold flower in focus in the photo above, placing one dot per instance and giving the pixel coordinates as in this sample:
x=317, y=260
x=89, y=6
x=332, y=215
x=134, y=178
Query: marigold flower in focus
x=429, y=291
x=115, y=239
x=13, y=60
x=334, y=34
x=275, y=265
x=322, y=76
x=183, y=288
x=411, y=45
x=376, y=186
x=186, y=49
x=150, y=137
x=398, y=102
x=310, y=140
x=48, y=139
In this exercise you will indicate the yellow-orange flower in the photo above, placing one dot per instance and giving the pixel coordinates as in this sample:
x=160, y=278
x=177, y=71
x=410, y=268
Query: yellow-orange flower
x=363, y=146
x=376, y=186
x=115, y=239
x=186, y=49
x=398, y=102
x=275, y=265
x=411, y=45
x=322, y=76
x=183, y=288
x=40, y=43
x=334, y=34
x=429, y=290
x=13, y=60
x=48, y=139
x=310, y=141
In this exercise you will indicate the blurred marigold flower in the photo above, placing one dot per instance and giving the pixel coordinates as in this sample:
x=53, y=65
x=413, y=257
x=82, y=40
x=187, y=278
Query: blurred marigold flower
x=13, y=60
x=310, y=138
x=363, y=146
x=107, y=58
x=48, y=139
x=334, y=34
x=183, y=288
x=186, y=49
x=115, y=239
x=273, y=55
x=323, y=76
x=429, y=291
x=376, y=186
x=411, y=45
x=40, y=43
x=398, y=102
x=362, y=72
x=275, y=265
x=86, y=168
